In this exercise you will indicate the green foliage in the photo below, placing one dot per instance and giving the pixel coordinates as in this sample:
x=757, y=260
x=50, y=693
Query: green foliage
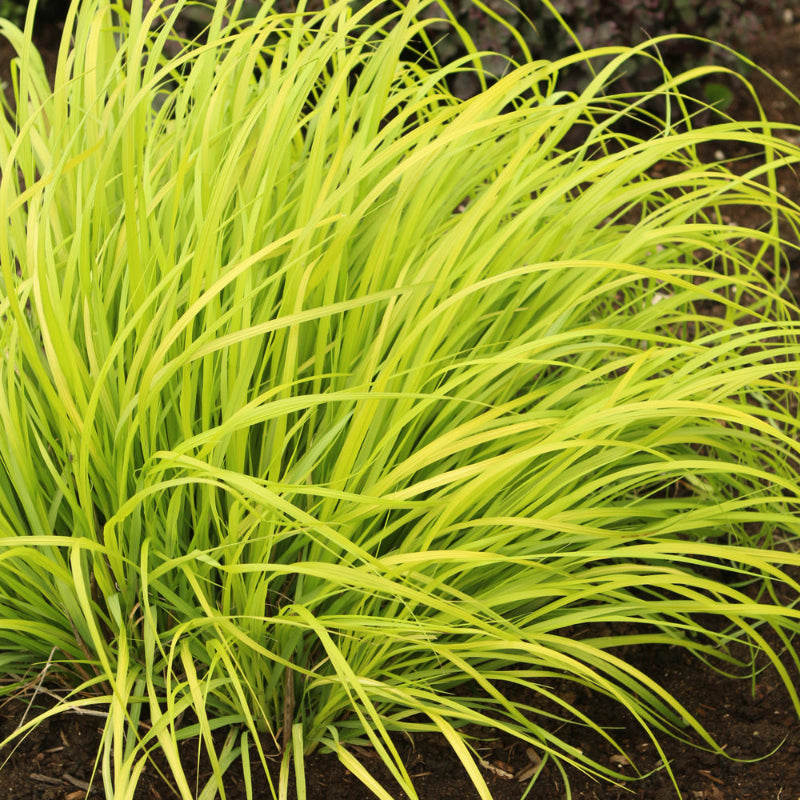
x=330, y=403
x=13, y=11
x=550, y=29
x=597, y=23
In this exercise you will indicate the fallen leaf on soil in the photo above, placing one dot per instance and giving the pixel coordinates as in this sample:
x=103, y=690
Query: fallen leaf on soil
x=536, y=762
x=500, y=769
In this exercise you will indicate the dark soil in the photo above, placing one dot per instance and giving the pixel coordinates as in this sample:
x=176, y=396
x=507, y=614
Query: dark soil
x=750, y=720
x=56, y=761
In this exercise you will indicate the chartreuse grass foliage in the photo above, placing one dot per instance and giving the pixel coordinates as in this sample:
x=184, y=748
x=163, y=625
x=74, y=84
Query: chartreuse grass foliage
x=325, y=394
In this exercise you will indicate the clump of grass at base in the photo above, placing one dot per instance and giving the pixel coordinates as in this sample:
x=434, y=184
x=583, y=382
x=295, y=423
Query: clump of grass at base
x=324, y=393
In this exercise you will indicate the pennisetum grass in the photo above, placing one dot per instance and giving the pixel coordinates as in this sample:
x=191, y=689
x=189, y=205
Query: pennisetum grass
x=324, y=393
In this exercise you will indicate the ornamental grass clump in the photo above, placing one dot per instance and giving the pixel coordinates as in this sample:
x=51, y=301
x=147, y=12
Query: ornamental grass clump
x=325, y=394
